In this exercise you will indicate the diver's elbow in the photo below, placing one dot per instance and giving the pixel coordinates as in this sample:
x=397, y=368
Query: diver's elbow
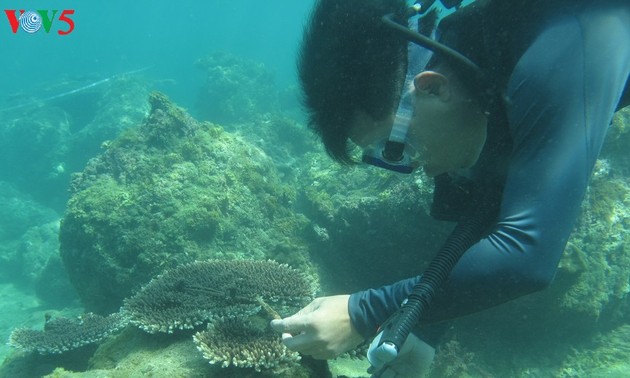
x=538, y=280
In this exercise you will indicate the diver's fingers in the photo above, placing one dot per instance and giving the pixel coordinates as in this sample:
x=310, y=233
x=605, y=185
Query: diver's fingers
x=293, y=324
x=286, y=335
x=301, y=342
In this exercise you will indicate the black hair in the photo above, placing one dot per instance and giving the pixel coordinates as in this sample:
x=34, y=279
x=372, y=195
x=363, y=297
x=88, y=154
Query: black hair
x=350, y=61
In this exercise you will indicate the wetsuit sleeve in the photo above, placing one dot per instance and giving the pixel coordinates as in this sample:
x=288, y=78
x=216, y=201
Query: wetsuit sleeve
x=562, y=95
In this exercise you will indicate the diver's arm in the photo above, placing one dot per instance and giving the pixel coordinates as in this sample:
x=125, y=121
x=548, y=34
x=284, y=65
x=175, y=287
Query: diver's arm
x=370, y=308
x=558, y=120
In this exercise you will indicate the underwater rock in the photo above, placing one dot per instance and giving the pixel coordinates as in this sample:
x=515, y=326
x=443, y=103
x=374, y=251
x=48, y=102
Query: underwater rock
x=617, y=140
x=33, y=258
x=28, y=236
x=119, y=106
x=32, y=145
x=368, y=226
x=52, y=284
x=35, y=248
x=20, y=212
x=191, y=294
x=608, y=357
x=45, y=140
x=170, y=192
x=235, y=89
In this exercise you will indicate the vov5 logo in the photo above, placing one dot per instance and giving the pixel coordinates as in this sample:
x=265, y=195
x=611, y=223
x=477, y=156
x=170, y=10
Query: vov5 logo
x=32, y=21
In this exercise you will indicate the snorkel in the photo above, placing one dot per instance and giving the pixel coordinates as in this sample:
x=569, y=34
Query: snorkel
x=395, y=330
x=394, y=153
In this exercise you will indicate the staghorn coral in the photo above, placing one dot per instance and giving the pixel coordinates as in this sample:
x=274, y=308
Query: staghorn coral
x=231, y=341
x=191, y=294
x=64, y=334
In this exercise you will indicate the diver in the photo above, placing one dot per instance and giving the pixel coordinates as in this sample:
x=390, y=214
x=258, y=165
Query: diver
x=508, y=116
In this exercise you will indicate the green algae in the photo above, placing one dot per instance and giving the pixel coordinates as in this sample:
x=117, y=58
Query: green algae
x=171, y=191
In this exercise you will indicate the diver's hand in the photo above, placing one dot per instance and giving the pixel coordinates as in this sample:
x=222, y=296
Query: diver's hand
x=413, y=361
x=322, y=329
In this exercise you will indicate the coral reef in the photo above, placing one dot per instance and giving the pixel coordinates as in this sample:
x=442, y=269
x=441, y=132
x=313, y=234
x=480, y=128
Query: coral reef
x=175, y=190
x=453, y=360
x=40, y=144
x=64, y=334
x=236, y=89
x=368, y=227
x=597, y=258
x=242, y=343
x=31, y=147
x=236, y=297
x=20, y=212
x=134, y=353
x=608, y=357
x=617, y=139
x=595, y=269
x=188, y=295
x=170, y=192
x=29, y=246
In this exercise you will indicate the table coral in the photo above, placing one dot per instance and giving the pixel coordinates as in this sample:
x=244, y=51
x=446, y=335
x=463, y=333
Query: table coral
x=191, y=294
x=64, y=334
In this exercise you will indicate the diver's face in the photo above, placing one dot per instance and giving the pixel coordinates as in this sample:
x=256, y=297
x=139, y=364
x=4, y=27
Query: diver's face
x=448, y=129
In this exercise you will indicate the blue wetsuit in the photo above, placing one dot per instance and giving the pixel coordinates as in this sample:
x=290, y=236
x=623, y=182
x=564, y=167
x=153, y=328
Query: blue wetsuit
x=563, y=72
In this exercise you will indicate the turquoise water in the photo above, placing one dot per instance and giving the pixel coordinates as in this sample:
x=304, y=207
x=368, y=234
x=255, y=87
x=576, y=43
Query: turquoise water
x=273, y=194
x=118, y=36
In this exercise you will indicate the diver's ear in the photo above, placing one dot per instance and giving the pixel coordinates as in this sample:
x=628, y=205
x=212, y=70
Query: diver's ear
x=433, y=83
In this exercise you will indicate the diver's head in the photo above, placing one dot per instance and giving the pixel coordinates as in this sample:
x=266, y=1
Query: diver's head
x=447, y=128
x=353, y=69
x=350, y=62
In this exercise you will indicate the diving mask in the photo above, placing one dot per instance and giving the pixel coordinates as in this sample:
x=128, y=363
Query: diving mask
x=395, y=153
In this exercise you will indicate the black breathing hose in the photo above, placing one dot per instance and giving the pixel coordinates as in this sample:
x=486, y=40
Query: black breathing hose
x=463, y=237
x=474, y=77
x=466, y=233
